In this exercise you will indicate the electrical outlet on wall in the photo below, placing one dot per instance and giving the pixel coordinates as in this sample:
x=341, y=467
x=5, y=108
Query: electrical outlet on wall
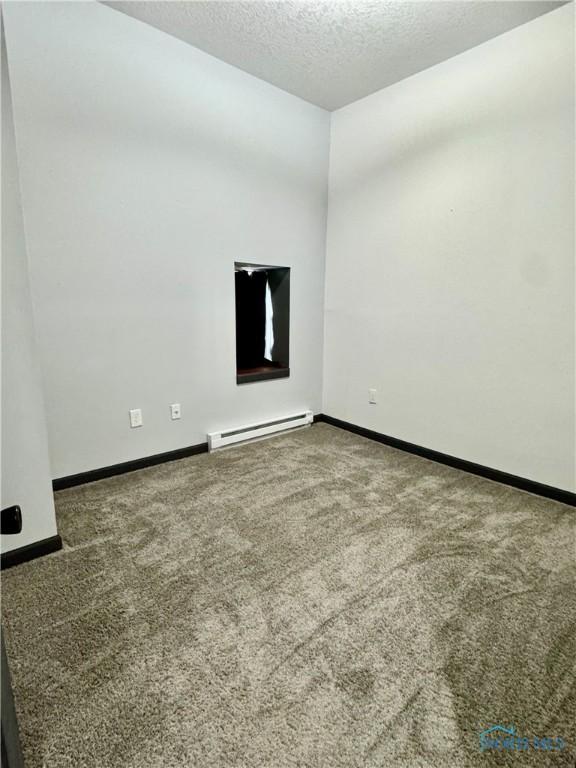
x=372, y=396
x=175, y=411
x=136, y=417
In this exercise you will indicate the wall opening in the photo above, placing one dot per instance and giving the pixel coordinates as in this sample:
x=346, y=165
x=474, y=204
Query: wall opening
x=262, y=322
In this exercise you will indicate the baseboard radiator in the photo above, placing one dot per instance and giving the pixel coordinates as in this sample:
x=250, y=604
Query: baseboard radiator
x=249, y=432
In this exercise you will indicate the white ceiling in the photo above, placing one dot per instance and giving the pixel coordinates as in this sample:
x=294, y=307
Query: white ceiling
x=332, y=52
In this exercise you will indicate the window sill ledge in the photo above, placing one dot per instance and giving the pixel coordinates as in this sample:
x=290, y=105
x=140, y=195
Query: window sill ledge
x=249, y=378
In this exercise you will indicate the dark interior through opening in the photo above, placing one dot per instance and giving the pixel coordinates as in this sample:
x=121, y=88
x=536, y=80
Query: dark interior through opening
x=262, y=322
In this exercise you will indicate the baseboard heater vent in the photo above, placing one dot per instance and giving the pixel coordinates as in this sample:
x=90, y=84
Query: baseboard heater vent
x=240, y=434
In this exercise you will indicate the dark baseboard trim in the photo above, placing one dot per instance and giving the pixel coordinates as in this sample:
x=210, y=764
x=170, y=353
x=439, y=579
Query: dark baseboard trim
x=30, y=552
x=127, y=466
x=531, y=486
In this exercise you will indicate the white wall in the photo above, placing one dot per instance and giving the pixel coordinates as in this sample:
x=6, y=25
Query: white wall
x=25, y=466
x=450, y=282
x=147, y=169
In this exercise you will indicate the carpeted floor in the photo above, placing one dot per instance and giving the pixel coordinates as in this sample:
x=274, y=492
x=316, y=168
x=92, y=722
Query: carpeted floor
x=314, y=600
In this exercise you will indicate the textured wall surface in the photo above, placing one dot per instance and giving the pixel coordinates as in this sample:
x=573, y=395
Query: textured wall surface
x=332, y=53
x=25, y=462
x=450, y=257
x=148, y=168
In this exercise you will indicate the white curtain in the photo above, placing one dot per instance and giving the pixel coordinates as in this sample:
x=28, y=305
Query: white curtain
x=269, y=332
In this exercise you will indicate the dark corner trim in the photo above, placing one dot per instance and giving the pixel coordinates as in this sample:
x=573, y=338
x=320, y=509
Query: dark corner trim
x=30, y=552
x=59, y=484
x=548, y=491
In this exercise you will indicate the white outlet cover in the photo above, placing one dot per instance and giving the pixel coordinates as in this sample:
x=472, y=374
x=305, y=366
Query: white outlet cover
x=175, y=411
x=136, y=417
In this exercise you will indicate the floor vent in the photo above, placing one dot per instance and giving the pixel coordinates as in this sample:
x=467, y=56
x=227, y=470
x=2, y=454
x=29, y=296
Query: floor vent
x=240, y=434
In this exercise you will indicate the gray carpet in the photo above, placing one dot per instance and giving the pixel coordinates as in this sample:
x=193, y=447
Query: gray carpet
x=313, y=600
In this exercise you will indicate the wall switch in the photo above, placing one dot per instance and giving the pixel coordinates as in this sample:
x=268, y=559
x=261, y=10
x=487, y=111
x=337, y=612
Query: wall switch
x=372, y=396
x=136, y=417
x=175, y=411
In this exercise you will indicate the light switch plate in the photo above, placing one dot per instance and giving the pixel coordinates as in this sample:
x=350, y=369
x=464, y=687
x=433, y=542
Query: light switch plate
x=372, y=396
x=175, y=411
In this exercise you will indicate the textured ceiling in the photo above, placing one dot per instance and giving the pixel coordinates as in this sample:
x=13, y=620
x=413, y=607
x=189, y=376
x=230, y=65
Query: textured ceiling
x=333, y=52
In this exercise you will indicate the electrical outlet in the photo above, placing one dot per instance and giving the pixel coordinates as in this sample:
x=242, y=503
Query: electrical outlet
x=372, y=396
x=136, y=417
x=175, y=411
